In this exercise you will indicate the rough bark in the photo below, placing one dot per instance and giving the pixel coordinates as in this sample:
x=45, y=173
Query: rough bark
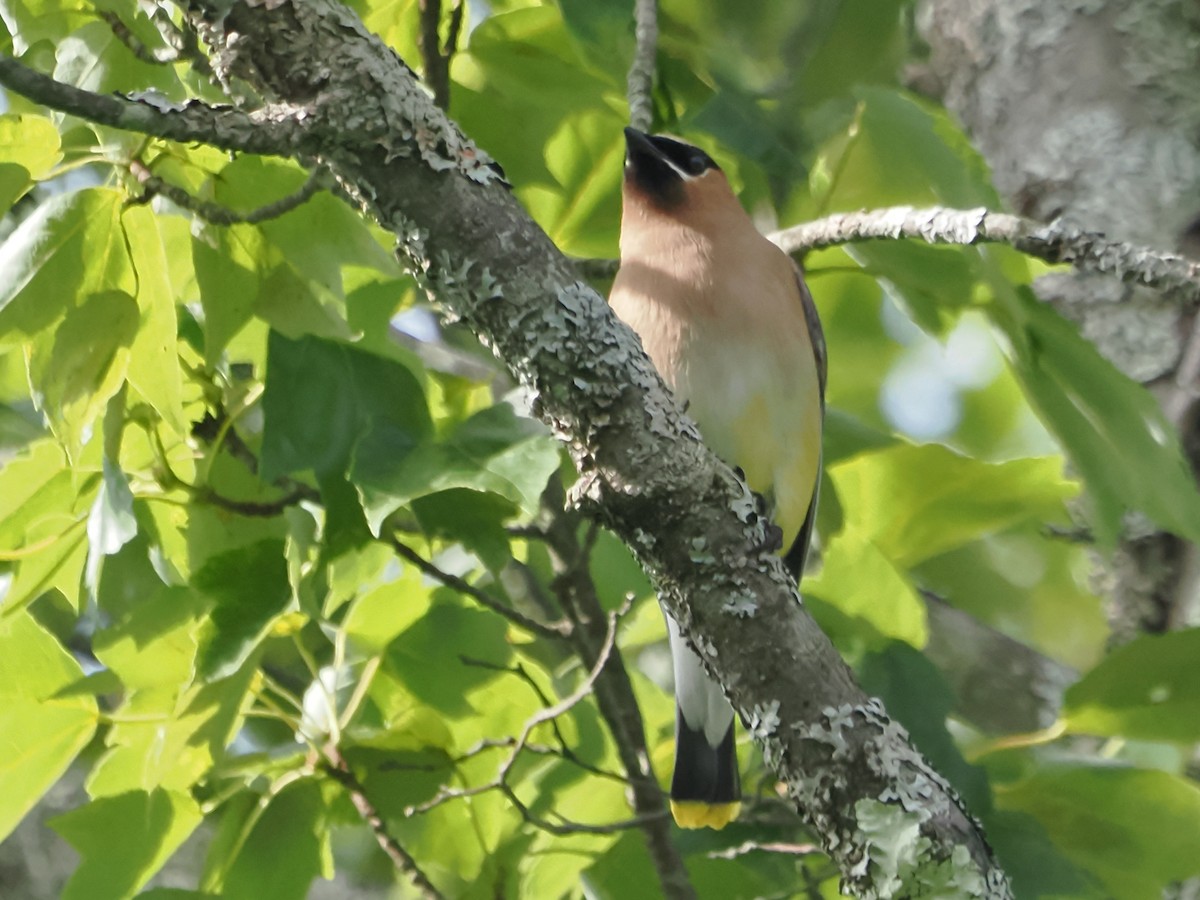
x=1090, y=109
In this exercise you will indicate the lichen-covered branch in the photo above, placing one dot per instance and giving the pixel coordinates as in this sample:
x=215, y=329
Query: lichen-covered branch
x=640, y=83
x=275, y=130
x=892, y=824
x=1056, y=242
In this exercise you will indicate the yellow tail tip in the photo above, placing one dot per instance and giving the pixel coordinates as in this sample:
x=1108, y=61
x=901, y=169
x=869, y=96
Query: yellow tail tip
x=695, y=814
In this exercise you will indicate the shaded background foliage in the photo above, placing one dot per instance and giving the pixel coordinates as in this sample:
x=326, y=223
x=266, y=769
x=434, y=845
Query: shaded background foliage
x=218, y=437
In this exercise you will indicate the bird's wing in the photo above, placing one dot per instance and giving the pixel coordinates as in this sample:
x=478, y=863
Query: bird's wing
x=797, y=554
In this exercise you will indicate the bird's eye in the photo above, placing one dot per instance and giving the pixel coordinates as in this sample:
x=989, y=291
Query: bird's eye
x=697, y=163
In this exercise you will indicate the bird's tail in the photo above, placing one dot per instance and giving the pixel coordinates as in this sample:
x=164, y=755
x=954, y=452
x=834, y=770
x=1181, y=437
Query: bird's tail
x=706, y=789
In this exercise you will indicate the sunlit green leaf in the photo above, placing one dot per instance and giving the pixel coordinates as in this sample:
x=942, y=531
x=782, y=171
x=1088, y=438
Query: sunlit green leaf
x=153, y=361
x=868, y=596
x=68, y=248
x=1147, y=689
x=919, y=501
x=42, y=732
x=271, y=854
x=124, y=840
x=75, y=369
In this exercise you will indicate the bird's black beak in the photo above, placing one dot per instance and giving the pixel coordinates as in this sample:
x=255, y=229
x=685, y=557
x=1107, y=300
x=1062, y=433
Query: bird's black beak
x=646, y=167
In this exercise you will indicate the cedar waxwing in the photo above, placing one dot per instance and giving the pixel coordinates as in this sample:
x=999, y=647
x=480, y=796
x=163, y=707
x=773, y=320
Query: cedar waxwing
x=726, y=318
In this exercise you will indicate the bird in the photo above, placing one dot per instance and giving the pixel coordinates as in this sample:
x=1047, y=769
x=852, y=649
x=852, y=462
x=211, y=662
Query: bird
x=727, y=320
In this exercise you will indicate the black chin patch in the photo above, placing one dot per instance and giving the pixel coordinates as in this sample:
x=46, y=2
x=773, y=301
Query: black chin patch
x=654, y=164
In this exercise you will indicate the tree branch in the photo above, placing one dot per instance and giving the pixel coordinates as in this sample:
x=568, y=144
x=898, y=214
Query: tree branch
x=1056, y=242
x=641, y=72
x=276, y=130
x=336, y=768
x=436, y=63
x=691, y=522
x=217, y=214
x=547, y=715
x=614, y=691
x=480, y=596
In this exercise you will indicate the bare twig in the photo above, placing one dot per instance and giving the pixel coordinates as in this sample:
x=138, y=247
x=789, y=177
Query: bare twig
x=546, y=715
x=614, y=691
x=434, y=54
x=564, y=749
x=217, y=214
x=557, y=630
x=640, y=83
x=161, y=56
x=335, y=766
x=1056, y=242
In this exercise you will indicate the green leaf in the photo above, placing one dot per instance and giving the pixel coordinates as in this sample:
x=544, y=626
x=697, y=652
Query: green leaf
x=30, y=141
x=323, y=400
x=846, y=436
x=153, y=361
x=318, y=238
x=93, y=58
x=916, y=502
x=494, y=450
x=29, y=148
x=228, y=262
x=859, y=592
x=42, y=732
x=169, y=734
x=1113, y=429
x=429, y=646
x=1136, y=829
x=377, y=616
x=111, y=523
x=69, y=247
x=80, y=365
x=585, y=157
x=1033, y=864
x=933, y=285
x=862, y=168
x=272, y=857
x=250, y=590
x=124, y=840
x=1149, y=689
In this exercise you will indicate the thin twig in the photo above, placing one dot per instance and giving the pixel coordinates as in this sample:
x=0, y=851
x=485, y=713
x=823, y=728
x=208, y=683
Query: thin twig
x=335, y=766
x=224, y=127
x=564, y=749
x=557, y=630
x=217, y=214
x=162, y=56
x=436, y=60
x=615, y=697
x=1056, y=242
x=543, y=716
x=640, y=83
